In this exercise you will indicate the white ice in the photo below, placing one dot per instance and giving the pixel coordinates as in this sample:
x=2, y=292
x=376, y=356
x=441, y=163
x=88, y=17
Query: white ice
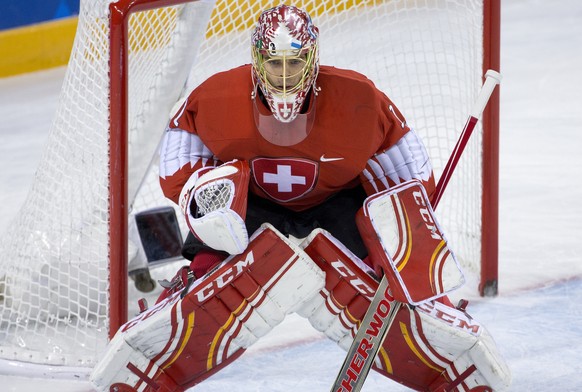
x=537, y=317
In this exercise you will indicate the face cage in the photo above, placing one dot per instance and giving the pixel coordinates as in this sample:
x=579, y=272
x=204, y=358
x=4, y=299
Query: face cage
x=306, y=72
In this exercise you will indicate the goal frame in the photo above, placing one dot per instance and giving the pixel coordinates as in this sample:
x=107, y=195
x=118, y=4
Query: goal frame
x=120, y=13
x=488, y=285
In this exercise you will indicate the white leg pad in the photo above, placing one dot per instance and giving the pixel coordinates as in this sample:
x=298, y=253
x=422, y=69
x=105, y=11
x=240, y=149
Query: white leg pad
x=465, y=342
x=190, y=335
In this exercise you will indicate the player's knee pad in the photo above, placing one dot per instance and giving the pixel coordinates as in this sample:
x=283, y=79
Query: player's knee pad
x=431, y=347
x=192, y=334
x=346, y=296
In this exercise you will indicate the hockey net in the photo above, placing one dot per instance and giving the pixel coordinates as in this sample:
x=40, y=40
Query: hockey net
x=63, y=262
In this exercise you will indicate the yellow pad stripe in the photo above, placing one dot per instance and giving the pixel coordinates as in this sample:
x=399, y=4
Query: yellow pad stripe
x=413, y=348
x=189, y=328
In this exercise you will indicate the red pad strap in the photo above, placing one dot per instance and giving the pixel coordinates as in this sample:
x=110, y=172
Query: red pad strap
x=204, y=260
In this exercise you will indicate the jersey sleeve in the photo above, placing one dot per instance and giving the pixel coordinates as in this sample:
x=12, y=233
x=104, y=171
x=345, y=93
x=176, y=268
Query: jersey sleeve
x=402, y=156
x=182, y=152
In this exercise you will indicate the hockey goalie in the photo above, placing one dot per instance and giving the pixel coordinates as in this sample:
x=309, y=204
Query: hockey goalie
x=302, y=185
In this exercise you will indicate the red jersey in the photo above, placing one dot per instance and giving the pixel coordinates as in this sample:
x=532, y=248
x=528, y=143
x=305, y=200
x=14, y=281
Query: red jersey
x=355, y=124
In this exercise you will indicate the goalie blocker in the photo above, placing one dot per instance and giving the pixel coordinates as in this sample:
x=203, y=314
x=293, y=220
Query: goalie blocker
x=194, y=333
x=405, y=241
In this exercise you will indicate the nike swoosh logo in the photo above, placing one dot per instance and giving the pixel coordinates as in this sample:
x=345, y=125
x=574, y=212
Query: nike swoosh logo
x=324, y=159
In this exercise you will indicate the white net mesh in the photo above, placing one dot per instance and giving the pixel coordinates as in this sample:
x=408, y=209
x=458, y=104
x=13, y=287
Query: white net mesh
x=54, y=264
x=425, y=54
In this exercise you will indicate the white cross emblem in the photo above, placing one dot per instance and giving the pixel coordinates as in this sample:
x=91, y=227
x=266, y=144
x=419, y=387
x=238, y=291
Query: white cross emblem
x=283, y=178
x=285, y=110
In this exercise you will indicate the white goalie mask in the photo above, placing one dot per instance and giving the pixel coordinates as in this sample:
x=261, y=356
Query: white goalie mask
x=285, y=63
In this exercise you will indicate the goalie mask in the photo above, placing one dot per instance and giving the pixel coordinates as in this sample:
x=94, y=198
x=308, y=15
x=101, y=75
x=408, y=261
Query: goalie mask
x=285, y=63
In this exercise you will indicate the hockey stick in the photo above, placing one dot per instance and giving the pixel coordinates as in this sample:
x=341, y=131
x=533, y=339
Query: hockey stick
x=492, y=79
x=383, y=308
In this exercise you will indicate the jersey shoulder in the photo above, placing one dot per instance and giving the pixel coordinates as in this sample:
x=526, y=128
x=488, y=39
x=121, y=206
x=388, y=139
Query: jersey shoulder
x=238, y=79
x=350, y=84
x=216, y=102
x=341, y=75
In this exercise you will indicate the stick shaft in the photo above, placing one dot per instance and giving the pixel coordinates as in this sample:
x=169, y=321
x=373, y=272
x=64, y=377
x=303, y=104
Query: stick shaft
x=492, y=78
x=367, y=343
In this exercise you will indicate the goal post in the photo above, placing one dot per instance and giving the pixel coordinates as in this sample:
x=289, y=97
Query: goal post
x=488, y=282
x=64, y=287
x=118, y=153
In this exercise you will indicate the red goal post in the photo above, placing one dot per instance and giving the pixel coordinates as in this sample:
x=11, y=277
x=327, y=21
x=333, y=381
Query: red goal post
x=118, y=128
x=63, y=264
x=488, y=284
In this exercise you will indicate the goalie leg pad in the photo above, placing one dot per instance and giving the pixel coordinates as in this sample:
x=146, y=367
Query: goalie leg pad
x=348, y=290
x=428, y=348
x=190, y=335
x=466, y=349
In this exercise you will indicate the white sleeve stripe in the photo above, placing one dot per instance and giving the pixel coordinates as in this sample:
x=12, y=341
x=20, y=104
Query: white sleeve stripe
x=378, y=171
x=180, y=113
x=406, y=160
x=370, y=178
x=389, y=162
x=401, y=158
x=180, y=148
x=419, y=165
